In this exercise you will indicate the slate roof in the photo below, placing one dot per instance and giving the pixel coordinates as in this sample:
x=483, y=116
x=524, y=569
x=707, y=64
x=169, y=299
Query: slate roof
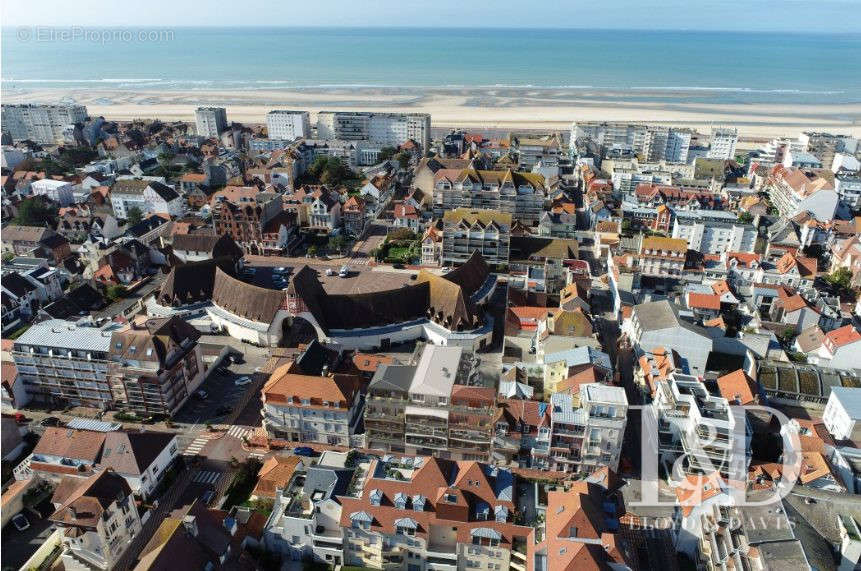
x=246, y=300
x=132, y=453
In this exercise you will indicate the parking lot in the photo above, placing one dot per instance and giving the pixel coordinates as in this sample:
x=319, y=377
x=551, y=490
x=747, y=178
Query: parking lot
x=18, y=546
x=361, y=278
x=223, y=394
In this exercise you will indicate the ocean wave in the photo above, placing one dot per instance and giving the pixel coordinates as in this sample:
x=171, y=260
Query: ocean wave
x=105, y=80
x=732, y=89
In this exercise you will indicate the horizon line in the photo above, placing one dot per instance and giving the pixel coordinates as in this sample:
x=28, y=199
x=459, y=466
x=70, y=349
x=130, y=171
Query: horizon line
x=408, y=27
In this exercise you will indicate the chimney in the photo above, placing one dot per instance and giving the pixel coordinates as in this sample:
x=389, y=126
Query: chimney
x=190, y=524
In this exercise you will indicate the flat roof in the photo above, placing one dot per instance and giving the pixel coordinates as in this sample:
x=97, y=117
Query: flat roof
x=60, y=334
x=605, y=393
x=436, y=371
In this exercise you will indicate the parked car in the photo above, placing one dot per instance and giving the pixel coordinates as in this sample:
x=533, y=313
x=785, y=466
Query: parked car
x=244, y=380
x=344, y=272
x=330, y=272
x=202, y=394
x=20, y=522
x=303, y=451
x=50, y=421
x=237, y=358
x=20, y=418
x=207, y=496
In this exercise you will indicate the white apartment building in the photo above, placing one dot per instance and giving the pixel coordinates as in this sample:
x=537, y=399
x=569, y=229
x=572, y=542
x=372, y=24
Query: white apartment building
x=793, y=190
x=59, y=191
x=654, y=142
x=387, y=129
x=710, y=232
x=697, y=428
x=723, y=142
x=311, y=408
x=40, y=123
x=210, y=121
x=466, y=231
x=842, y=413
x=586, y=430
x=147, y=194
x=848, y=187
x=288, y=125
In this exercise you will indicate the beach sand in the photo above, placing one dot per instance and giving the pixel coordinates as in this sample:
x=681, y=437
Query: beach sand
x=503, y=108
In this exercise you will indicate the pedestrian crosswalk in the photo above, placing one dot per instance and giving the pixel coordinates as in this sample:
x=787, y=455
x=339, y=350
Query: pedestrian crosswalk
x=239, y=432
x=206, y=477
x=196, y=445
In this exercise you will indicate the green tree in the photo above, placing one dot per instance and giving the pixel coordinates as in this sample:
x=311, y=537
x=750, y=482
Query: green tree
x=337, y=243
x=312, y=250
x=36, y=212
x=135, y=215
x=386, y=153
x=840, y=278
x=403, y=159
x=401, y=234
x=116, y=292
x=745, y=218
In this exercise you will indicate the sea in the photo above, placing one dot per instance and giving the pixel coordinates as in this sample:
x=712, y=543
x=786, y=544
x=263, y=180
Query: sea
x=635, y=64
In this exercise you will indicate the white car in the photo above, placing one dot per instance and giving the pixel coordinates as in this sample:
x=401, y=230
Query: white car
x=20, y=522
x=330, y=272
x=242, y=381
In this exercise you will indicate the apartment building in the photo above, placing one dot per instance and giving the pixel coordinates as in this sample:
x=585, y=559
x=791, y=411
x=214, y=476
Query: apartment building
x=155, y=366
x=586, y=430
x=842, y=413
x=63, y=363
x=40, y=123
x=148, y=194
x=532, y=150
x=793, y=190
x=243, y=212
x=714, y=232
x=428, y=408
x=386, y=129
x=652, y=142
x=288, y=125
x=698, y=428
x=325, y=408
x=427, y=513
x=722, y=143
x=210, y=121
x=469, y=230
x=847, y=184
x=663, y=257
x=523, y=195
x=97, y=519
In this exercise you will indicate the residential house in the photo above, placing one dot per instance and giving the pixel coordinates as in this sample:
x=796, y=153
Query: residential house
x=354, y=217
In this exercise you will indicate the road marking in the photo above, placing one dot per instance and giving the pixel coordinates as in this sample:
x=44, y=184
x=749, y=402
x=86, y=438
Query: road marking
x=238, y=432
x=206, y=477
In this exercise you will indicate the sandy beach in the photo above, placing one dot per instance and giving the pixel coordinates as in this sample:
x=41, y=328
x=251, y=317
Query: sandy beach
x=503, y=108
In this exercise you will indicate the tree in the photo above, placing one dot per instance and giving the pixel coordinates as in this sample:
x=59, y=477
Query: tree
x=135, y=215
x=402, y=234
x=386, y=153
x=840, y=278
x=403, y=159
x=116, y=292
x=36, y=212
x=337, y=243
x=745, y=218
x=312, y=250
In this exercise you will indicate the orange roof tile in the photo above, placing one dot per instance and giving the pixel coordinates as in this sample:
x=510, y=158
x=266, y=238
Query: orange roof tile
x=737, y=387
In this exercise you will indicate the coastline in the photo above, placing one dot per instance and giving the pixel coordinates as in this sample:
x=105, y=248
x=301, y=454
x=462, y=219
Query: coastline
x=488, y=108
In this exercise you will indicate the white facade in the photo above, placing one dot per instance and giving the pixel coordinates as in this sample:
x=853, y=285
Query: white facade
x=40, y=123
x=842, y=412
x=288, y=125
x=654, y=142
x=709, y=237
x=210, y=121
x=848, y=187
x=723, y=142
x=387, y=129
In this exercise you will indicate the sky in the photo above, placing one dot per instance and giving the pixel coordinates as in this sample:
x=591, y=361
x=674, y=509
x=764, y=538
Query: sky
x=824, y=16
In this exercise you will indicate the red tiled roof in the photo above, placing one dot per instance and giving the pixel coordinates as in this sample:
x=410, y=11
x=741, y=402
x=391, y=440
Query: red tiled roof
x=703, y=301
x=737, y=387
x=843, y=336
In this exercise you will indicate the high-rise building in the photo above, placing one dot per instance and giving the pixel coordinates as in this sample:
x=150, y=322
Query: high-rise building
x=40, y=123
x=289, y=125
x=210, y=121
x=521, y=194
x=653, y=142
x=387, y=129
x=723, y=141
